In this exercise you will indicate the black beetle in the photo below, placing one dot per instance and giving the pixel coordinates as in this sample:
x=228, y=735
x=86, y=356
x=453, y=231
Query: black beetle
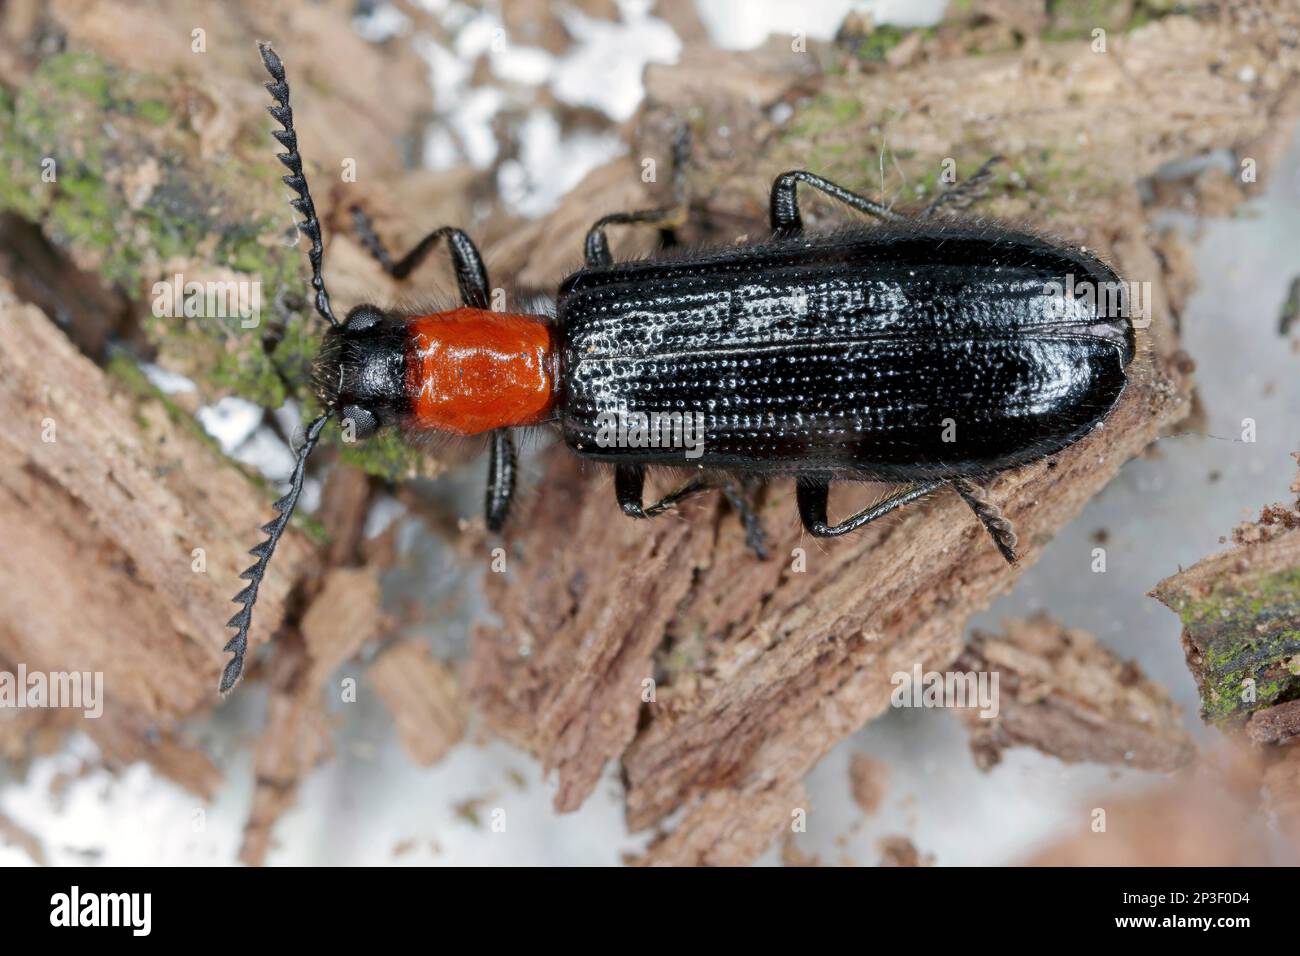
x=919, y=352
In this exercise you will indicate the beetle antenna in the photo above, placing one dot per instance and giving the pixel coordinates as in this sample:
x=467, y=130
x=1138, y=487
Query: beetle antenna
x=296, y=180
x=238, y=644
x=990, y=515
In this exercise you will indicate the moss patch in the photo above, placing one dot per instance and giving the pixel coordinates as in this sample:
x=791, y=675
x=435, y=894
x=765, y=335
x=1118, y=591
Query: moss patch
x=105, y=160
x=1242, y=637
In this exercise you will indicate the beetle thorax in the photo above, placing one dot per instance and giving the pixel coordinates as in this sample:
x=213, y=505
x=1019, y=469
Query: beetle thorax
x=472, y=370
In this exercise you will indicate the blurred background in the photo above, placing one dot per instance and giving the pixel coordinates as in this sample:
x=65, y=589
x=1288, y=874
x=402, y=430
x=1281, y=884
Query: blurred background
x=491, y=116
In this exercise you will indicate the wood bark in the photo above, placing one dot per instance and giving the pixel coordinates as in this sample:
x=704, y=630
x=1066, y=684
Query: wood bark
x=1241, y=620
x=1064, y=693
x=122, y=534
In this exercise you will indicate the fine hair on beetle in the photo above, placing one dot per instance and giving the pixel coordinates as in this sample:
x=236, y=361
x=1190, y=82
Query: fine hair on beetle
x=923, y=351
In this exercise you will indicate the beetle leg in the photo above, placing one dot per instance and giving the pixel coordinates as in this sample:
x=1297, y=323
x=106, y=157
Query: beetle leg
x=812, y=494
x=666, y=218
x=784, y=203
x=964, y=194
x=990, y=515
x=741, y=503
x=629, y=484
x=501, y=478
x=471, y=276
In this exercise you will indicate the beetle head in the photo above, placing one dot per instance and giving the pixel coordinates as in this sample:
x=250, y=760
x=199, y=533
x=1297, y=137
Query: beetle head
x=360, y=372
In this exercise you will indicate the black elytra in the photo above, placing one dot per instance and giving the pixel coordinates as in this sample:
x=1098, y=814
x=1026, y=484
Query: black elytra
x=920, y=351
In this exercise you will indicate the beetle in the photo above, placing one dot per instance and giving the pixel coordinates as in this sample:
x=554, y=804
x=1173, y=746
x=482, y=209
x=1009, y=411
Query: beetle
x=921, y=352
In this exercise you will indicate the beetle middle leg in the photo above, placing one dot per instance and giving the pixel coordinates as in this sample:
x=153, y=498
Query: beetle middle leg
x=784, y=203
x=666, y=218
x=629, y=488
x=812, y=494
x=471, y=276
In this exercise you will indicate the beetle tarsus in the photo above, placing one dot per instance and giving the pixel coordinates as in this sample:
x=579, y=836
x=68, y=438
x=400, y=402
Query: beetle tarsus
x=755, y=536
x=965, y=194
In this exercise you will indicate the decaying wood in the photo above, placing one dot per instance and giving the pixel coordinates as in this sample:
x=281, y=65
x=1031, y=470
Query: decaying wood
x=1274, y=725
x=123, y=530
x=422, y=695
x=726, y=831
x=1282, y=793
x=1241, y=617
x=1065, y=694
x=717, y=681
x=759, y=668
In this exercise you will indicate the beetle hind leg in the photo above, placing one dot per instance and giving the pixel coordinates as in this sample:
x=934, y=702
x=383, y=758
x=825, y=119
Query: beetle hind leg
x=990, y=515
x=813, y=493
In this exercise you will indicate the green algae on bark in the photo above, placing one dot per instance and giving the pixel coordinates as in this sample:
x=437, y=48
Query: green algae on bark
x=1241, y=626
x=95, y=155
x=108, y=164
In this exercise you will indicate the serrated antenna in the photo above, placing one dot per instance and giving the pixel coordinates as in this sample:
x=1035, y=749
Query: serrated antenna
x=296, y=180
x=238, y=645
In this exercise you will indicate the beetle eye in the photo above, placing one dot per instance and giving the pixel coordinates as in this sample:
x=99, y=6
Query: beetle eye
x=363, y=423
x=363, y=317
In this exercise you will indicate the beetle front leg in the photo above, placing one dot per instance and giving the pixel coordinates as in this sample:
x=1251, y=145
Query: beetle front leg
x=812, y=494
x=471, y=275
x=666, y=218
x=501, y=478
x=784, y=202
x=990, y=515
